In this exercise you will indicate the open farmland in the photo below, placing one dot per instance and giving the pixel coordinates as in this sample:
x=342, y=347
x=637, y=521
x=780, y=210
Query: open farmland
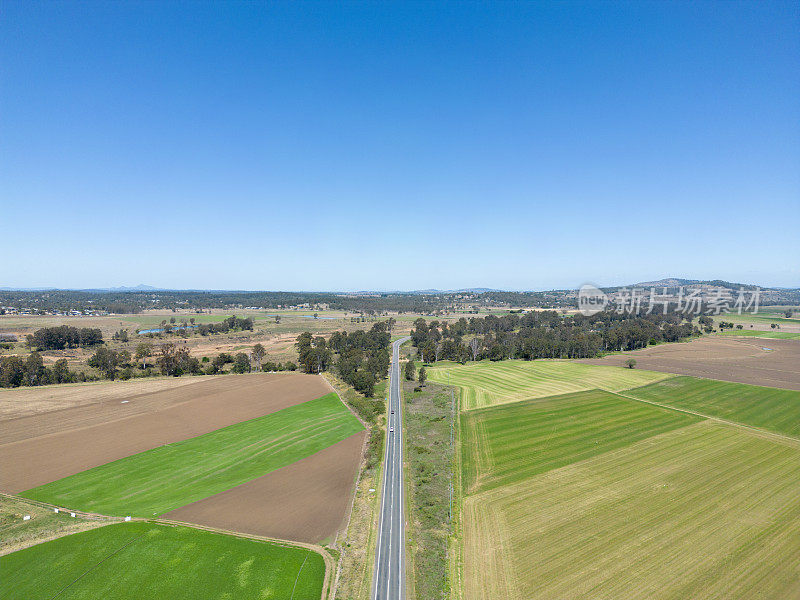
x=765, y=317
x=769, y=408
x=146, y=561
x=706, y=511
x=43, y=525
x=769, y=334
x=490, y=383
x=772, y=363
x=173, y=475
x=305, y=501
x=512, y=442
x=595, y=494
x=41, y=448
x=26, y=401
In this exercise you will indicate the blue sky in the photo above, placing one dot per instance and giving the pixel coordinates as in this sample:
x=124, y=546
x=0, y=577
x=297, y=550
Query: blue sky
x=331, y=146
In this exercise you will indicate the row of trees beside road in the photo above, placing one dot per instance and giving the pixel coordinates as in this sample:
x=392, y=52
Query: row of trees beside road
x=544, y=334
x=361, y=358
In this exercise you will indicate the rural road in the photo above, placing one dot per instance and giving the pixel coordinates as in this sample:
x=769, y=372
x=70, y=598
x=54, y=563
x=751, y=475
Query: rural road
x=390, y=559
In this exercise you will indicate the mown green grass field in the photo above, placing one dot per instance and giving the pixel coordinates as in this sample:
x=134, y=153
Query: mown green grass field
x=147, y=561
x=491, y=383
x=769, y=408
x=512, y=442
x=704, y=511
x=597, y=494
x=772, y=334
x=164, y=478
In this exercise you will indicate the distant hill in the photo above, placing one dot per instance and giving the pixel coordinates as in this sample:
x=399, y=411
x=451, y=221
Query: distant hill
x=674, y=282
x=139, y=288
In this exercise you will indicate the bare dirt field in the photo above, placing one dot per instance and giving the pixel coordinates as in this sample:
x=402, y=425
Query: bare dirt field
x=773, y=363
x=41, y=448
x=305, y=501
x=22, y=402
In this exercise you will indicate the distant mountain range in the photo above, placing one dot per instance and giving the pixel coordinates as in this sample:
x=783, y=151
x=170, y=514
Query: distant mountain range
x=668, y=282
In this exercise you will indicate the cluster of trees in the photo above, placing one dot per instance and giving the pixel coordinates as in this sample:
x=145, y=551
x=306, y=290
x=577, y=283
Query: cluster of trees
x=232, y=323
x=360, y=358
x=169, y=359
x=64, y=336
x=544, y=334
x=410, y=369
x=14, y=371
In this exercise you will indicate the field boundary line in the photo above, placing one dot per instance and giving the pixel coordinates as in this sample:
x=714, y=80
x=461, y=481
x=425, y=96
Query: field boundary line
x=776, y=437
x=361, y=465
x=349, y=517
x=327, y=590
x=457, y=525
x=78, y=513
x=339, y=395
x=326, y=557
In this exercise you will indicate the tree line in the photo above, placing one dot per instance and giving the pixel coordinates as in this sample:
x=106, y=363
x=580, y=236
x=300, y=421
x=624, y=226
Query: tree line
x=64, y=336
x=361, y=358
x=544, y=334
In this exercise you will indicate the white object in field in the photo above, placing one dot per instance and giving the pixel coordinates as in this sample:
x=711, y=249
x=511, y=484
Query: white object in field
x=371, y=489
x=124, y=401
x=127, y=518
x=71, y=514
x=55, y=510
x=26, y=518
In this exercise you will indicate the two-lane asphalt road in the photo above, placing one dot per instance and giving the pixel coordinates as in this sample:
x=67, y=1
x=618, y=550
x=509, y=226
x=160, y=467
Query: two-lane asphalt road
x=390, y=559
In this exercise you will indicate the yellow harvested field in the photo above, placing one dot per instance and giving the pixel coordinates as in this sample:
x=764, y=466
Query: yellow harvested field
x=491, y=383
x=704, y=511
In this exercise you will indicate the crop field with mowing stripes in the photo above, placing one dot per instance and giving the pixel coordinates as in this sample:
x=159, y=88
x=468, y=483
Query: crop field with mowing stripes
x=769, y=408
x=770, y=335
x=164, y=478
x=486, y=384
x=146, y=561
x=513, y=442
x=705, y=511
x=594, y=494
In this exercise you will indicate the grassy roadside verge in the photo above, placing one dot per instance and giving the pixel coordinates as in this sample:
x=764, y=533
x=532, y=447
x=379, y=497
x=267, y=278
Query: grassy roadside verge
x=44, y=524
x=431, y=461
x=455, y=562
x=353, y=580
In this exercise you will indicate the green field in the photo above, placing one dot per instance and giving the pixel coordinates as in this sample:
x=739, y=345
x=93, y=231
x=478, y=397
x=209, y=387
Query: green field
x=164, y=478
x=510, y=443
x=592, y=494
x=770, y=408
x=773, y=334
x=146, y=561
x=763, y=316
x=490, y=383
x=705, y=511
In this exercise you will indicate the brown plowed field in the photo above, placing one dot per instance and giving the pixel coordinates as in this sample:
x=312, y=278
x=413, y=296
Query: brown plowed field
x=773, y=363
x=40, y=448
x=305, y=501
x=21, y=402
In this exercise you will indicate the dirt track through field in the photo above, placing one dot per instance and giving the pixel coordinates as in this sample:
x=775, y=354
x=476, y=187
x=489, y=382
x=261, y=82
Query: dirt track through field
x=41, y=448
x=305, y=501
x=773, y=363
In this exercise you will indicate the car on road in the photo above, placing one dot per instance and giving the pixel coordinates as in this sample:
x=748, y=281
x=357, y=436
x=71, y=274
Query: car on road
x=391, y=429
